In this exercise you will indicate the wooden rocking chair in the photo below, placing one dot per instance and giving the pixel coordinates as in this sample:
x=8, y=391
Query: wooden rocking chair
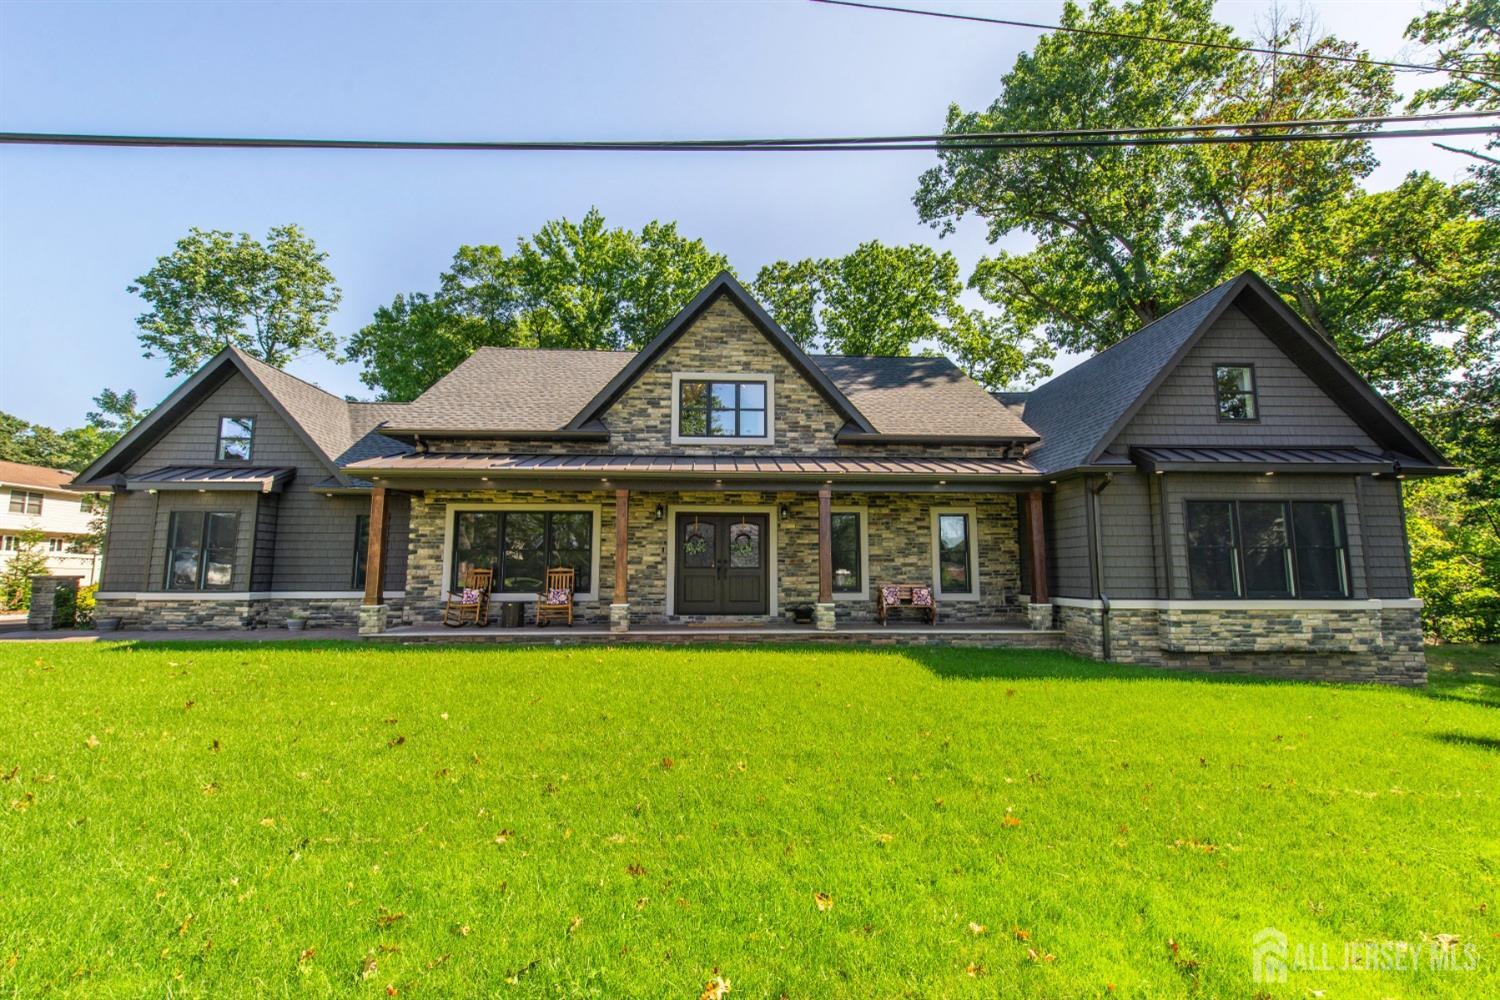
x=555, y=602
x=470, y=603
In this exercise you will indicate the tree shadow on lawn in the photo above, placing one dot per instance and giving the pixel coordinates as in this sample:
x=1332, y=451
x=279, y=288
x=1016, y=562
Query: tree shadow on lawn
x=1467, y=741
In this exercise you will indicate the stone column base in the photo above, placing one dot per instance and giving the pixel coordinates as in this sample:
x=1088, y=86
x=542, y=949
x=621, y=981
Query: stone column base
x=823, y=617
x=619, y=618
x=1041, y=616
x=372, y=619
x=44, y=590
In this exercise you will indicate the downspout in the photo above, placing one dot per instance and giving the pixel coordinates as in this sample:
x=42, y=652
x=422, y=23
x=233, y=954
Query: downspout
x=1109, y=477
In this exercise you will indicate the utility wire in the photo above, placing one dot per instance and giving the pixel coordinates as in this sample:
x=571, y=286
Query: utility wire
x=1080, y=138
x=1103, y=33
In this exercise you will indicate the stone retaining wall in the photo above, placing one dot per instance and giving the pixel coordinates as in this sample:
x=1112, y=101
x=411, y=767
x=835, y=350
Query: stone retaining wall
x=1354, y=645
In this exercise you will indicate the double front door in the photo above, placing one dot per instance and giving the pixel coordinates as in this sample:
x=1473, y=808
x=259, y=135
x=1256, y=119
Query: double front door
x=722, y=564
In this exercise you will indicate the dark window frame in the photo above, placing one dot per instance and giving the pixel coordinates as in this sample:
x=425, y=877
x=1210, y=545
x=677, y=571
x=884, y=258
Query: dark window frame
x=1238, y=549
x=548, y=544
x=970, y=562
x=249, y=441
x=26, y=497
x=708, y=408
x=859, y=586
x=1253, y=393
x=200, y=574
x=361, y=551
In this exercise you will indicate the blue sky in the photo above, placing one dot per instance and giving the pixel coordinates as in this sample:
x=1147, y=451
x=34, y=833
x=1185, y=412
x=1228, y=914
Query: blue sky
x=77, y=225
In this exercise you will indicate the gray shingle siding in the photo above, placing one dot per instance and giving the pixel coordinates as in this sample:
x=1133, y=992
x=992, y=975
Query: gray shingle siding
x=1068, y=552
x=310, y=534
x=1293, y=410
x=127, y=547
x=1129, y=541
x=1387, y=557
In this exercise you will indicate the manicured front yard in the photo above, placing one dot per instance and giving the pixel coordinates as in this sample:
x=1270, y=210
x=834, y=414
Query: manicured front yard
x=306, y=820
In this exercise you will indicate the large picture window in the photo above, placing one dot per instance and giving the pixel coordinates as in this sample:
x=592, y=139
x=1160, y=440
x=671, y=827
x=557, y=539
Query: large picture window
x=236, y=438
x=954, y=539
x=848, y=561
x=1267, y=549
x=729, y=409
x=201, y=550
x=521, y=545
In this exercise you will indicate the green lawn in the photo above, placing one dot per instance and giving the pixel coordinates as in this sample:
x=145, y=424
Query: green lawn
x=309, y=820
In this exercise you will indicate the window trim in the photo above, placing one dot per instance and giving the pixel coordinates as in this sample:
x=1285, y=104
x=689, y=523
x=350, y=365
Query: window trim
x=765, y=378
x=200, y=587
x=219, y=439
x=863, y=593
x=974, y=560
x=1237, y=550
x=1254, y=391
x=25, y=497
x=450, y=526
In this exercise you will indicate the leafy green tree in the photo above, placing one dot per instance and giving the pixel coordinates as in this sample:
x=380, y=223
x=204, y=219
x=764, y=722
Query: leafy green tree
x=571, y=284
x=74, y=448
x=271, y=299
x=891, y=301
x=26, y=561
x=1466, y=34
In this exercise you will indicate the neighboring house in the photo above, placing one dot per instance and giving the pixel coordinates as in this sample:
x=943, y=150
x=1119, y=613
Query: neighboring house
x=33, y=497
x=1219, y=490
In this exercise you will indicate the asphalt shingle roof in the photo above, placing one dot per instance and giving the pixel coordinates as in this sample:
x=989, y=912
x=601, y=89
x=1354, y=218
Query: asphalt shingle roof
x=1075, y=411
x=924, y=395
x=18, y=474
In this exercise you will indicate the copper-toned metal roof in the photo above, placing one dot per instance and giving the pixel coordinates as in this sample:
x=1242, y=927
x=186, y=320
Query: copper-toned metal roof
x=783, y=466
x=1236, y=459
x=264, y=479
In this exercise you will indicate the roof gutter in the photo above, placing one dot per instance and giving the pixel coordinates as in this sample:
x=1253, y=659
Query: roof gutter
x=509, y=434
x=863, y=437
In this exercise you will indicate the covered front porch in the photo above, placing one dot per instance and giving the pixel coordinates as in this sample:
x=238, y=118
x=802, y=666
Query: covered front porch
x=679, y=549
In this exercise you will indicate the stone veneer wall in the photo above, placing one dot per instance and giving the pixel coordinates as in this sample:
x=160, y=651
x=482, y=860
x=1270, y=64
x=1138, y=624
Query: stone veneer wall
x=899, y=532
x=1359, y=644
x=259, y=612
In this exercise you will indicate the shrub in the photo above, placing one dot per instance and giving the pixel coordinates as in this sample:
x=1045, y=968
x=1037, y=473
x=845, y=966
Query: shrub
x=26, y=561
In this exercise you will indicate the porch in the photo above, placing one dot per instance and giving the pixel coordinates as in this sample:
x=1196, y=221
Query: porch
x=725, y=554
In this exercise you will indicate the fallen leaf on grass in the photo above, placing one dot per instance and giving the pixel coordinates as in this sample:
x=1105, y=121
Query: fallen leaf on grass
x=976, y=929
x=368, y=967
x=91, y=742
x=1020, y=935
x=1032, y=954
x=824, y=901
x=575, y=923
x=1011, y=821
x=667, y=763
x=884, y=838
x=11, y=774
x=387, y=918
x=440, y=960
x=182, y=928
x=715, y=988
x=390, y=989
x=974, y=969
x=635, y=870
x=462, y=930
x=306, y=956
x=396, y=742
x=504, y=836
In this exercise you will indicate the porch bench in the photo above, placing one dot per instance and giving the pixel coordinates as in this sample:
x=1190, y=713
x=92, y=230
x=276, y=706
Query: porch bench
x=895, y=596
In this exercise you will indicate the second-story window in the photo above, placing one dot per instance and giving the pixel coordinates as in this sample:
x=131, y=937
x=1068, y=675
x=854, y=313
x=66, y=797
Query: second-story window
x=714, y=409
x=1236, y=385
x=25, y=502
x=236, y=437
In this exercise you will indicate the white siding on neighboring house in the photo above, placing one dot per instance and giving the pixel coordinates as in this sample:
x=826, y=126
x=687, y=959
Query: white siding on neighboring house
x=62, y=518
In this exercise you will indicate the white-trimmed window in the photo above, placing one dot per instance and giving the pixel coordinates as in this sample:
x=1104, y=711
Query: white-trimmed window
x=851, y=554
x=25, y=502
x=236, y=439
x=955, y=553
x=722, y=407
x=520, y=543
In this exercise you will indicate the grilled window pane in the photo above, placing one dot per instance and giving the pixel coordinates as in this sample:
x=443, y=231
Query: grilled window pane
x=524, y=564
x=184, y=550
x=1236, y=384
x=572, y=546
x=235, y=437
x=1210, y=536
x=752, y=423
x=221, y=533
x=692, y=410
x=1321, y=550
x=1268, y=562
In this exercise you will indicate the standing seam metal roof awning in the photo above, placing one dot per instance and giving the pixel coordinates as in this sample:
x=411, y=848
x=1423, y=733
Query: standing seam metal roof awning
x=1235, y=459
x=262, y=479
x=470, y=463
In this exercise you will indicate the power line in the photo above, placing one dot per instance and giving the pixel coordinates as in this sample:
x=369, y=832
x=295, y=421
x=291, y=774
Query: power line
x=1103, y=33
x=1081, y=138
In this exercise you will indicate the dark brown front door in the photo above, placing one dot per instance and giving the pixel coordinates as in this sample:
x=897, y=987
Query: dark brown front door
x=722, y=564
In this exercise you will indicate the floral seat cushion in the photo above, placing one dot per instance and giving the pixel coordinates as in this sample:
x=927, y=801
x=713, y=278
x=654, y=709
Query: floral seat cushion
x=921, y=597
x=559, y=595
x=890, y=596
x=470, y=596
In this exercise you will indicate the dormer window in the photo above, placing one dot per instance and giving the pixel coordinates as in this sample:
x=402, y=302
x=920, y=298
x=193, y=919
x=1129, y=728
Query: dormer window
x=711, y=408
x=236, y=437
x=1236, y=386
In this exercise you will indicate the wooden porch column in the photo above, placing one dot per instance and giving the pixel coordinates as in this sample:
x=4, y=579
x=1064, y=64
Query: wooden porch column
x=1037, y=534
x=622, y=522
x=825, y=546
x=375, y=549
